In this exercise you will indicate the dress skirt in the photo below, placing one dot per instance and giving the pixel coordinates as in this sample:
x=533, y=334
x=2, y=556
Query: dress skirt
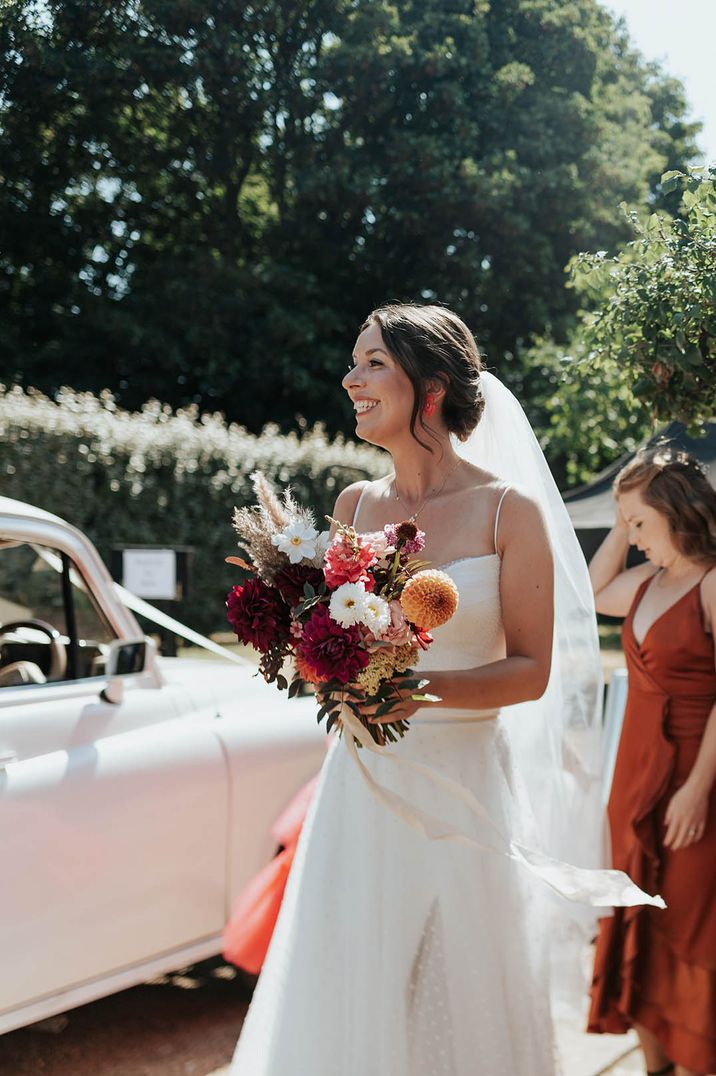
x=398, y=955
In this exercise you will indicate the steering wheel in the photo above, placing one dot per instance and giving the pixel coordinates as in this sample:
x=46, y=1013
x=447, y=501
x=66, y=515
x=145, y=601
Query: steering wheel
x=58, y=653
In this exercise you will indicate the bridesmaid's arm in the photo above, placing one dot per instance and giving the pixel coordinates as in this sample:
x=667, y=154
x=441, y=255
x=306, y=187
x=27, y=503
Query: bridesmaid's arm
x=613, y=584
x=527, y=597
x=688, y=808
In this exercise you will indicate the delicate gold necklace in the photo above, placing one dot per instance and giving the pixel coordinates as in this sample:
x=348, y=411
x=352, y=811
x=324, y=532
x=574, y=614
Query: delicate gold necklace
x=429, y=495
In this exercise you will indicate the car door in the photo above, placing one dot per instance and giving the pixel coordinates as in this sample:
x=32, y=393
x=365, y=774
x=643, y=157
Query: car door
x=113, y=816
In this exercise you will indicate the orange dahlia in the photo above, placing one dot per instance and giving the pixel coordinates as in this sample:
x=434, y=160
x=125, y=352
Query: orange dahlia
x=429, y=599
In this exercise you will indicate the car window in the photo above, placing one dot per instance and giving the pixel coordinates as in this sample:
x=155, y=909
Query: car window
x=50, y=626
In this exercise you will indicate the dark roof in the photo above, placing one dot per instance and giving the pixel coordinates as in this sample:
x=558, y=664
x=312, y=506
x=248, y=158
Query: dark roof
x=591, y=505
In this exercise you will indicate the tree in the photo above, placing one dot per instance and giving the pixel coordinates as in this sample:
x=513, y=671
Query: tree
x=644, y=349
x=202, y=201
x=652, y=307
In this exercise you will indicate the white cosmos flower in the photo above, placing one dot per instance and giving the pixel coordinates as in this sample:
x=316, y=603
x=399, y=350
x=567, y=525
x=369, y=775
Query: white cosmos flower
x=298, y=541
x=347, y=604
x=377, y=614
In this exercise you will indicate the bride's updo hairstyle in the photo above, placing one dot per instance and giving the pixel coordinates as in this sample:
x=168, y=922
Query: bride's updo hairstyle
x=675, y=484
x=432, y=343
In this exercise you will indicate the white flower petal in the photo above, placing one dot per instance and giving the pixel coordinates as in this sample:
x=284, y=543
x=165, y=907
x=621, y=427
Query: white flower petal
x=297, y=541
x=347, y=604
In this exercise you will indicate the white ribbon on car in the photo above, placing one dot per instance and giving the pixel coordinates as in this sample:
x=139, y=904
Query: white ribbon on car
x=582, y=885
x=163, y=620
x=149, y=612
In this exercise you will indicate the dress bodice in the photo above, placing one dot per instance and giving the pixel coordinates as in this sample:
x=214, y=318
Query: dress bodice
x=474, y=635
x=675, y=656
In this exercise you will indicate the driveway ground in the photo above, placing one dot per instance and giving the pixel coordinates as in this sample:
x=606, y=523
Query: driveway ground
x=184, y=1025
x=187, y=1025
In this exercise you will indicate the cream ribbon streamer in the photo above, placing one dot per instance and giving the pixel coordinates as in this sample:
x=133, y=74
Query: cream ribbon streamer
x=583, y=885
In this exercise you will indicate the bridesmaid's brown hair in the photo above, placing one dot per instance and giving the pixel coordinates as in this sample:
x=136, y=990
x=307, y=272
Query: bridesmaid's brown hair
x=675, y=484
x=432, y=342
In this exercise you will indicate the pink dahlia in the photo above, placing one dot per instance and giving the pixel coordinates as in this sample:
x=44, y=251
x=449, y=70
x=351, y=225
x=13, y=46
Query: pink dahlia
x=347, y=560
x=258, y=614
x=398, y=631
x=332, y=652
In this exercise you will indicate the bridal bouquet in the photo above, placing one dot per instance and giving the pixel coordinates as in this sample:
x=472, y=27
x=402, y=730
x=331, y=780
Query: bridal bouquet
x=351, y=613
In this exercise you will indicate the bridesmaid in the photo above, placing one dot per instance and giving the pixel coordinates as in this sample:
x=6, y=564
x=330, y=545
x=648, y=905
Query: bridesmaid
x=655, y=970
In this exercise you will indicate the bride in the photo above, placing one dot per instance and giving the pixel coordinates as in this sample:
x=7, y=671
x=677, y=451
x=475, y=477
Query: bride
x=418, y=949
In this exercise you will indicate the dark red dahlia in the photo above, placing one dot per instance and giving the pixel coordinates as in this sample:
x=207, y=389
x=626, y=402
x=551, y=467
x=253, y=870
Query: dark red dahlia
x=335, y=653
x=258, y=614
x=290, y=581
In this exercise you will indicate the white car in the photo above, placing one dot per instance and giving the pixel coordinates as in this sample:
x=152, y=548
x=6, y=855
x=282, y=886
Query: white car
x=137, y=793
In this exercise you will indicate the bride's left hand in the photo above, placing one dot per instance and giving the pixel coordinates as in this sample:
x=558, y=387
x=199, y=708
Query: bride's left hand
x=402, y=712
x=406, y=708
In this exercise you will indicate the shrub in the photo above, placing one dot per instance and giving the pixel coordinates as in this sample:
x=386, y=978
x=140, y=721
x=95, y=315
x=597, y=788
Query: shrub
x=154, y=476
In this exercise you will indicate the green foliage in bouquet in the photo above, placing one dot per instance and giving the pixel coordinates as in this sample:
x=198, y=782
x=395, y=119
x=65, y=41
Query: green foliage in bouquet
x=154, y=476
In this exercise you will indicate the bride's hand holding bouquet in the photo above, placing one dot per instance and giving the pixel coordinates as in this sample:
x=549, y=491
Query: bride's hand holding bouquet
x=350, y=612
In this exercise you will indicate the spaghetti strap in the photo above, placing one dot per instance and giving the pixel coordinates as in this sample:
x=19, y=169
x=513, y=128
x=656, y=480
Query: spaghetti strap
x=497, y=516
x=358, y=504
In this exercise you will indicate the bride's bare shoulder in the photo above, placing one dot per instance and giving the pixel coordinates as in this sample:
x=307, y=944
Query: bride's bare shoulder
x=480, y=482
x=347, y=500
x=519, y=512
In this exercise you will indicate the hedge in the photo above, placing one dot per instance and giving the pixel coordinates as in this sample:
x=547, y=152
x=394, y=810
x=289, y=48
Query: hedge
x=155, y=477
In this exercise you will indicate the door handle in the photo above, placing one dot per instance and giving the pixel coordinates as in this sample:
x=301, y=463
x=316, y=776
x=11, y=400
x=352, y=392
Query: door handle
x=6, y=757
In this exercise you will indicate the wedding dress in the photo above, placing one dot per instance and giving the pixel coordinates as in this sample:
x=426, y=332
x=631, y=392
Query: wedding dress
x=395, y=955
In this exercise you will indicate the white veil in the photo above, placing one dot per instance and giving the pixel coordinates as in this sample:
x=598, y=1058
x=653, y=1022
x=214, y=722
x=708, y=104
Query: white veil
x=555, y=740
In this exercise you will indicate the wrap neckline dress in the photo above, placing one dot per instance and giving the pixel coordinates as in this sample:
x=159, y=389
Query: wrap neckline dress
x=658, y=967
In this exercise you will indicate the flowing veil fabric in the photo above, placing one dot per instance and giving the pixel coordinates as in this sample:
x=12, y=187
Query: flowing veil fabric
x=555, y=740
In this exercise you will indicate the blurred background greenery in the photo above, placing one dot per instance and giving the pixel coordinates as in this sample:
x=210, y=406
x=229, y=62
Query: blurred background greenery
x=200, y=202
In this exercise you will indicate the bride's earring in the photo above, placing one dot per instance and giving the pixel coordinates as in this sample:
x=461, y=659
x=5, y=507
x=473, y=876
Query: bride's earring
x=429, y=405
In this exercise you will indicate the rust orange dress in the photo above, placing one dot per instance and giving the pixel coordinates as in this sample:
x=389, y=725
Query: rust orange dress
x=658, y=967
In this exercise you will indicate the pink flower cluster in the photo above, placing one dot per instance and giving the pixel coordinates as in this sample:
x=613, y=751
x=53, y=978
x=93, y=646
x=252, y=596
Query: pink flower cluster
x=347, y=560
x=412, y=538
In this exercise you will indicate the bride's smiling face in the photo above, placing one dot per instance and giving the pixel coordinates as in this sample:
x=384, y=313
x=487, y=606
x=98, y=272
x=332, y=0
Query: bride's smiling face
x=380, y=390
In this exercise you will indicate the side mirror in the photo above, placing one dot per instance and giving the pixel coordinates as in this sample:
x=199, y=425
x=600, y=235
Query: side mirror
x=124, y=657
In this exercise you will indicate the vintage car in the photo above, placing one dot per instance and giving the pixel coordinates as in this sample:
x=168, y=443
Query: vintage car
x=137, y=793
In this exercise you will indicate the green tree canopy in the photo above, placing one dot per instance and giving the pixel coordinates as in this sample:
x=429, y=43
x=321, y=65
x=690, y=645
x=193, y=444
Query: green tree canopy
x=200, y=201
x=644, y=350
x=653, y=306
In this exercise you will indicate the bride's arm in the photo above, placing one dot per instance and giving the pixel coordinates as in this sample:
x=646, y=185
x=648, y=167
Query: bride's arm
x=526, y=593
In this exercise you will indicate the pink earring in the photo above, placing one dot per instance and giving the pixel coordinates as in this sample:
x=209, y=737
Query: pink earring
x=429, y=405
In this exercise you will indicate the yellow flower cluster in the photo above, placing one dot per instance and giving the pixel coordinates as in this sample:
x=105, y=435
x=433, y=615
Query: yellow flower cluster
x=429, y=599
x=383, y=664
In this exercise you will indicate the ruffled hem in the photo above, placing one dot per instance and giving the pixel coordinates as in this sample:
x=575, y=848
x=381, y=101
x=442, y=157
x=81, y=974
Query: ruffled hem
x=684, y=1047
x=640, y=979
